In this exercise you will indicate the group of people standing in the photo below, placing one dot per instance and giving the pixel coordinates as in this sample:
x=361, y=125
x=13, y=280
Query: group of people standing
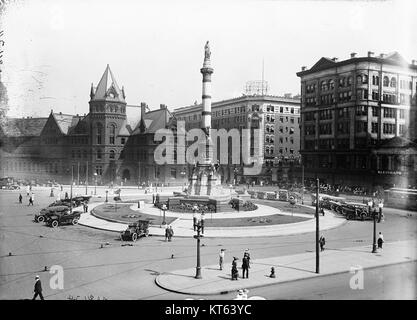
x=31, y=198
x=235, y=272
x=169, y=233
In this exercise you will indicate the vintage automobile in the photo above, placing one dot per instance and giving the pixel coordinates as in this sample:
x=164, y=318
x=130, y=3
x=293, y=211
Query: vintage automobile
x=135, y=230
x=44, y=213
x=63, y=202
x=80, y=199
x=355, y=211
x=59, y=218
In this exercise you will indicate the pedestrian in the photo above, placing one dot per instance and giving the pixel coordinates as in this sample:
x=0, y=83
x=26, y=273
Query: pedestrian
x=194, y=219
x=380, y=240
x=221, y=258
x=202, y=218
x=27, y=191
x=234, y=272
x=272, y=275
x=322, y=242
x=20, y=198
x=38, y=288
x=66, y=195
x=32, y=196
x=61, y=188
x=166, y=233
x=153, y=198
x=369, y=207
x=247, y=254
x=245, y=266
x=170, y=233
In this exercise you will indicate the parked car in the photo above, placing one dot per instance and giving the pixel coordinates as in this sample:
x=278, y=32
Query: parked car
x=62, y=202
x=355, y=211
x=13, y=187
x=135, y=230
x=59, y=218
x=44, y=213
x=80, y=199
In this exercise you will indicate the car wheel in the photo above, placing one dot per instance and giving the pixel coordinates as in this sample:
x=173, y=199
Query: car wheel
x=74, y=221
x=54, y=224
x=40, y=219
x=349, y=216
x=134, y=236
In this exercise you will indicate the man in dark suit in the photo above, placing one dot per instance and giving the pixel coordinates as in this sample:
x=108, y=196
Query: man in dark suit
x=245, y=266
x=38, y=288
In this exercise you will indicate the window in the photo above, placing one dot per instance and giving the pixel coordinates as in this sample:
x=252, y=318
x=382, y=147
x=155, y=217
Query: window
x=112, y=154
x=99, y=133
x=361, y=126
x=99, y=154
x=389, y=113
x=325, y=128
x=72, y=154
x=374, y=128
x=402, y=113
x=374, y=111
x=401, y=129
x=375, y=80
x=386, y=81
x=393, y=83
x=123, y=141
x=99, y=170
x=173, y=173
x=389, y=128
x=112, y=134
x=78, y=153
x=361, y=111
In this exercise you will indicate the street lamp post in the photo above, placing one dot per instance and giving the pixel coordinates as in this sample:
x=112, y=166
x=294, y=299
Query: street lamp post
x=164, y=208
x=198, y=237
x=95, y=183
x=317, y=228
x=374, y=237
x=107, y=192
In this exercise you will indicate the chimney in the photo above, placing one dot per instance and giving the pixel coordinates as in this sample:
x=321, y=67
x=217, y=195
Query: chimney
x=162, y=106
x=353, y=55
x=142, y=110
x=335, y=59
x=303, y=68
x=370, y=54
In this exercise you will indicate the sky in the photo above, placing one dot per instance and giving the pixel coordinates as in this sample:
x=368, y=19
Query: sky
x=55, y=49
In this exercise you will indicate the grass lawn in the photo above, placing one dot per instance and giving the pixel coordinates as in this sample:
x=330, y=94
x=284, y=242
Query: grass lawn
x=252, y=221
x=285, y=206
x=122, y=213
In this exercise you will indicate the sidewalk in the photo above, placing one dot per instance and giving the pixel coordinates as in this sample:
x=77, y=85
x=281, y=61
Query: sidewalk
x=287, y=268
x=183, y=225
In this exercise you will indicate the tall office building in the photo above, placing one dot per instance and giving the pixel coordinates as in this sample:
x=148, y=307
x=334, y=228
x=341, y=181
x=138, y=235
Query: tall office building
x=351, y=110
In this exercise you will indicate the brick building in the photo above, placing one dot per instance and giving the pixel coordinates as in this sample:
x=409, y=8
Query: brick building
x=351, y=108
x=113, y=143
x=277, y=117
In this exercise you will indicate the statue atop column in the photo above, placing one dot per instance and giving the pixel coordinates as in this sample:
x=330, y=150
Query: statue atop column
x=207, y=52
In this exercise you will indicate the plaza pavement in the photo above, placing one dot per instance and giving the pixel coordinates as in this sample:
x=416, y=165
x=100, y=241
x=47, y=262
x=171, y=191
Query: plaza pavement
x=183, y=224
x=287, y=268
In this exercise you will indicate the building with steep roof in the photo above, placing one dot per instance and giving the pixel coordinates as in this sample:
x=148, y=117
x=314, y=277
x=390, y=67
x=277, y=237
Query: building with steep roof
x=113, y=143
x=352, y=107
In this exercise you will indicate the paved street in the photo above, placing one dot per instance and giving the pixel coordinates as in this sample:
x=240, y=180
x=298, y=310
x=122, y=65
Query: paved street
x=129, y=272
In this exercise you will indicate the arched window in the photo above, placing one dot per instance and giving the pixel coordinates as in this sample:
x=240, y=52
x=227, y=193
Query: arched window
x=99, y=133
x=99, y=154
x=364, y=79
x=393, y=83
x=112, y=154
x=323, y=86
x=386, y=81
x=331, y=84
x=112, y=134
x=349, y=81
x=359, y=79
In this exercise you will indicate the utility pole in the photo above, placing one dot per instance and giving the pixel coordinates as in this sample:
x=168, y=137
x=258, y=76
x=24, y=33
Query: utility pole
x=302, y=178
x=72, y=179
x=86, y=179
x=317, y=227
